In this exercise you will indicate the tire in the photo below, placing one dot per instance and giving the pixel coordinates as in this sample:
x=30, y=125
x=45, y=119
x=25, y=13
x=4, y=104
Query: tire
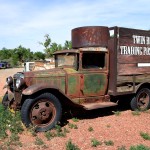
x=43, y=112
x=5, y=100
x=141, y=101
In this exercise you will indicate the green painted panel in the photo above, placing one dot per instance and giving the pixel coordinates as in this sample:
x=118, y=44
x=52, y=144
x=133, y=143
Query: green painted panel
x=94, y=83
x=73, y=85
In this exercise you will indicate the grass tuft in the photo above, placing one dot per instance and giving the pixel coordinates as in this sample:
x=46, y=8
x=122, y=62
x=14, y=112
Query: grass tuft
x=71, y=146
x=136, y=113
x=145, y=136
x=109, y=143
x=75, y=119
x=72, y=126
x=90, y=129
x=139, y=147
x=95, y=142
x=117, y=113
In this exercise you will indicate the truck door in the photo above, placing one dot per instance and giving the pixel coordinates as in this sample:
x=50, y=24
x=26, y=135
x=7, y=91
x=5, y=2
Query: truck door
x=94, y=74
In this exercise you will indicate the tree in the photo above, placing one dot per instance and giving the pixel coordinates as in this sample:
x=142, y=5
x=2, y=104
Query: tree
x=50, y=47
x=22, y=54
x=5, y=53
x=67, y=45
x=38, y=56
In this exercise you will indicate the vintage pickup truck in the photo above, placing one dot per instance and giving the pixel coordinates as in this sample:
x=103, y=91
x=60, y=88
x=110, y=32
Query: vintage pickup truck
x=104, y=65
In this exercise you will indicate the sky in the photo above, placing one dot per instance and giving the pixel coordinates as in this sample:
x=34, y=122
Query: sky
x=25, y=22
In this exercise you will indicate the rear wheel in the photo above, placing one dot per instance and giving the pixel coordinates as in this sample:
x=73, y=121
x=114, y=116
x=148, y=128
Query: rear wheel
x=142, y=100
x=43, y=112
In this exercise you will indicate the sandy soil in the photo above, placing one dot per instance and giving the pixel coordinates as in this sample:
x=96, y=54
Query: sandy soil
x=4, y=73
x=123, y=130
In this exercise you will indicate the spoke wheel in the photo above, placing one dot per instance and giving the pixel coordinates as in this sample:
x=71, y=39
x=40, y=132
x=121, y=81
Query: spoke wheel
x=142, y=100
x=43, y=112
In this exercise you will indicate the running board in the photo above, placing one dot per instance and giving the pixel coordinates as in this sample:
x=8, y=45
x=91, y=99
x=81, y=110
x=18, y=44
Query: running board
x=91, y=106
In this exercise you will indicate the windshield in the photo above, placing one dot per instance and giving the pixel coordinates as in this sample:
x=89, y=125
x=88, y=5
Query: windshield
x=67, y=59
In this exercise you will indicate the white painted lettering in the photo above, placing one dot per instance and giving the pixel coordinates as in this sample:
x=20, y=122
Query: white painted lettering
x=147, y=40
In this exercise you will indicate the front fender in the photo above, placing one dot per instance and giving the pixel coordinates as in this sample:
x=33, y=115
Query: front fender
x=37, y=87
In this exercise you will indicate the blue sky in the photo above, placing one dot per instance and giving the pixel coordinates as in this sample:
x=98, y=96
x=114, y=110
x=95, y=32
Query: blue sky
x=25, y=22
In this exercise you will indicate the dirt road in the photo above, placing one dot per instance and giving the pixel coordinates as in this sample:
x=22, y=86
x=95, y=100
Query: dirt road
x=4, y=73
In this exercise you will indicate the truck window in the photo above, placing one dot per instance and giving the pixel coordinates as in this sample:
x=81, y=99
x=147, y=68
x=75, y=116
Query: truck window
x=93, y=60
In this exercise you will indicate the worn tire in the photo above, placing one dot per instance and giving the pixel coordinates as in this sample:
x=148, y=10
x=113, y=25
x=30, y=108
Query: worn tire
x=5, y=100
x=141, y=101
x=43, y=112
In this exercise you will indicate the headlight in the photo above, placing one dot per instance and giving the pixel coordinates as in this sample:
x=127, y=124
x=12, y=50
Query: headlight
x=9, y=81
x=19, y=83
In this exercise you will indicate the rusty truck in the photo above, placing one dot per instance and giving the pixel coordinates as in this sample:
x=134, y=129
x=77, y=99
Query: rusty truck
x=104, y=65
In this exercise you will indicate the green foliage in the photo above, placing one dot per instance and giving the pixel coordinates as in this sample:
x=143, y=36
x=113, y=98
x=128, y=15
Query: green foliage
x=19, y=55
x=75, y=119
x=71, y=146
x=50, y=47
x=90, y=129
x=59, y=132
x=10, y=122
x=117, y=113
x=109, y=143
x=145, y=136
x=38, y=56
x=139, y=147
x=72, y=126
x=67, y=45
x=95, y=142
x=136, y=113
x=39, y=141
x=32, y=130
x=122, y=148
x=49, y=135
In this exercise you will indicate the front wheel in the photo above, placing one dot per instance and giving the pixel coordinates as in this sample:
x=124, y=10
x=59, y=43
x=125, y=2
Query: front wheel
x=142, y=100
x=43, y=112
x=5, y=101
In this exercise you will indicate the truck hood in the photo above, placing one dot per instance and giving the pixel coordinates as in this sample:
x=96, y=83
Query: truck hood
x=54, y=78
x=45, y=73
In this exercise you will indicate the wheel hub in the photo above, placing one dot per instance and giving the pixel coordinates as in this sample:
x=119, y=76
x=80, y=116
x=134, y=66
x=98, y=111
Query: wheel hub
x=143, y=100
x=43, y=113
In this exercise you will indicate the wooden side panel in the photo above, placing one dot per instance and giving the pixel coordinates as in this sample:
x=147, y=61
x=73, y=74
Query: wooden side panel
x=133, y=50
x=129, y=69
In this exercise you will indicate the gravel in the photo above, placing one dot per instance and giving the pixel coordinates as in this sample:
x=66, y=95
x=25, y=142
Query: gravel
x=123, y=130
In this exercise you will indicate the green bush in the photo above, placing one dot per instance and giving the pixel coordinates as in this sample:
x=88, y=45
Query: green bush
x=9, y=121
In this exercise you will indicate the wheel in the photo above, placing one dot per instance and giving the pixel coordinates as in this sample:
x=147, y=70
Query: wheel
x=43, y=112
x=5, y=101
x=142, y=100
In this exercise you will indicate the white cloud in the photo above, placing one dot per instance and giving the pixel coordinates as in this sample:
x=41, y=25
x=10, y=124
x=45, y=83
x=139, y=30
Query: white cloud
x=26, y=22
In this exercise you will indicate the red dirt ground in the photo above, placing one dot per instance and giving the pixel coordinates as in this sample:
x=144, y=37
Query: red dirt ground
x=123, y=130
